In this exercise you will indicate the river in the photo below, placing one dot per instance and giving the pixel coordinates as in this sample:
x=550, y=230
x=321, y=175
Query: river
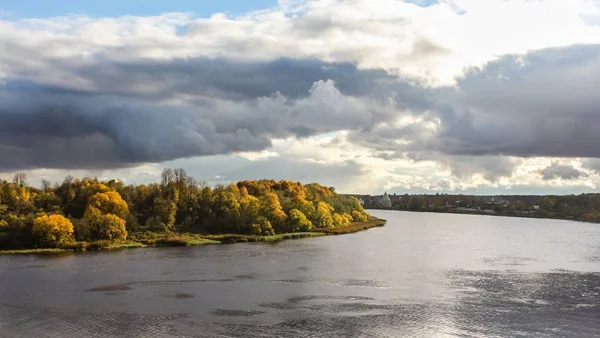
x=422, y=275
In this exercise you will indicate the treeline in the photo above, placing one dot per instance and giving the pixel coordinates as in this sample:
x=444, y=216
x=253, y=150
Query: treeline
x=583, y=207
x=90, y=210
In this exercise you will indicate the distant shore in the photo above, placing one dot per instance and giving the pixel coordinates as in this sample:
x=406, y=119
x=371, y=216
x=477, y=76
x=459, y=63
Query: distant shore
x=179, y=239
x=476, y=213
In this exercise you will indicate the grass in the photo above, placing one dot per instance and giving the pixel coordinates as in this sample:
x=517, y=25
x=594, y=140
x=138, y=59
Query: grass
x=353, y=227
x=147, y=238
x=236, y=238
x=126, y=245
x=34, y=251
x=160, y=239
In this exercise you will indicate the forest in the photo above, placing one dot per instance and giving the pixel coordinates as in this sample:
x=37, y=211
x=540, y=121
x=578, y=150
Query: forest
x=88, y=213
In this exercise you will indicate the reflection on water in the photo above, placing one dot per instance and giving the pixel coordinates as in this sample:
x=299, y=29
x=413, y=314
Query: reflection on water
x=422, y=275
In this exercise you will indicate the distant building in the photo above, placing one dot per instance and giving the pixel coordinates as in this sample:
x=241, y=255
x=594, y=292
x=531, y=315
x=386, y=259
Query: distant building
x=385, y=201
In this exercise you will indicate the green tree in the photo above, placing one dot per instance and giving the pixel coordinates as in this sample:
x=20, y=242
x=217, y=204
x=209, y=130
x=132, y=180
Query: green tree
x=164, y=211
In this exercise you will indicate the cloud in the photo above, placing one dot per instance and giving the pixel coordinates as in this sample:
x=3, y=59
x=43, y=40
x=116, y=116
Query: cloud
x=50, y=127
x=538, y=104
x=448, y=86
x=542, y=103
x=562, y=171
x=592, y=164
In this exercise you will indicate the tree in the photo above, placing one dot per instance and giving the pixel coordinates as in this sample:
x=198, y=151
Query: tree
x=53, y=230
x=324, y=219
x=46, y=185
x=110, y=203
x=249, y=209
x=271, y=209
x=299, y=222
x=262, y=227
x=339, y=220
x=105, y=226
x=20, y=179
x=358, y=216
x=111, y=227
x=165, y=211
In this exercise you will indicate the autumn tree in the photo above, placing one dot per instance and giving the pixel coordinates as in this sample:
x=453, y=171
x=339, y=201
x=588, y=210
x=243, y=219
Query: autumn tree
x=299, y=222
x=358, y=216
x=249, y=210
x=324, y=218
x=262, y=227
x=271, y=210
x=105, y=226
x=53, y=230
x=105, y=215
x=164, y=211
x=110, y=202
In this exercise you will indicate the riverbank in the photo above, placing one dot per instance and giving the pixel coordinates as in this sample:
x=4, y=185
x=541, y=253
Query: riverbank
x=509, y=215
x=154, y=239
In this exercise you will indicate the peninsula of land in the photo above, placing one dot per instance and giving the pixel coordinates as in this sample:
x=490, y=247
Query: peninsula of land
x=89, y=214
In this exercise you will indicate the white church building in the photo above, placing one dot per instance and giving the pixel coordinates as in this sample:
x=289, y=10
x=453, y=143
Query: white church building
x=385, y=201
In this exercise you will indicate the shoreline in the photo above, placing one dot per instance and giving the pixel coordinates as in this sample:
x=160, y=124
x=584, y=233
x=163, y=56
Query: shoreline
x=187, y=239
x=491, y=215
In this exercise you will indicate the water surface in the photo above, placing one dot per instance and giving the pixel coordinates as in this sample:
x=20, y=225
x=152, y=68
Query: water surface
x=422, y=275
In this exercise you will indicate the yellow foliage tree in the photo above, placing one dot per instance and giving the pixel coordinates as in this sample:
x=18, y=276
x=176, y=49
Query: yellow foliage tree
x=110, y=202
x=358, y=216
x=299, y=222
x=339, y=220
x=271, y=209
x=112, y=227
x=105, y=226
x=53, y=230
x=324, y=219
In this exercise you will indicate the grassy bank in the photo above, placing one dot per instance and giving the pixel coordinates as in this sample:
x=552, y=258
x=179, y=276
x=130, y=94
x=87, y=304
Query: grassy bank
x=44, y=251
x=354, y=227
x=233, y=238
x=160, y=239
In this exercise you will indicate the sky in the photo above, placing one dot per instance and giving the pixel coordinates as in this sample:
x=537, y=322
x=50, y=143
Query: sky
x=455, y=96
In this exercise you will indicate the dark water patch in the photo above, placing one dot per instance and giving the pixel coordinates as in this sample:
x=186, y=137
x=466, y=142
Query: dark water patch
x=249, y=276
x=182, y=281
x=236, y=313
x=294, y=300
x=114, y=293
x=110, y=288
x=509, y=260
x=562, y=271
x=361, y=282
x=180, y=295
x=300, y=301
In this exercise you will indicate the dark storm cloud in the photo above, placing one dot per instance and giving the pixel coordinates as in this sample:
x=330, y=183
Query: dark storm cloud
x=118, y=114
x=65, y=131
x=563, y=171
x=233, y=80
x=545, y=103
x=120, y=117
x=542, y=104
